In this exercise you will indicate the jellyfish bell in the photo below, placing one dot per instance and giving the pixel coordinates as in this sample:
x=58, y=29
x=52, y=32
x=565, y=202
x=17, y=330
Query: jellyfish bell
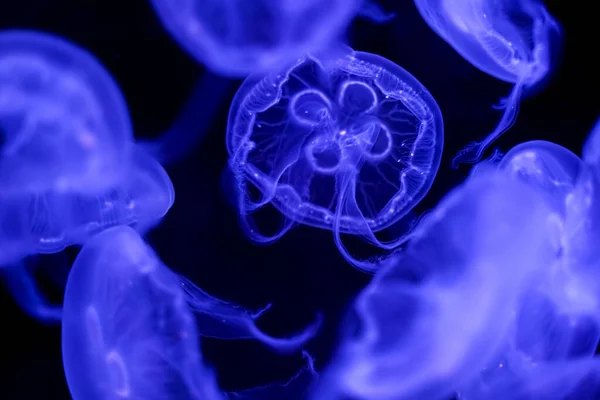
x=349, y=144
x=127, y=331
x=131, y=325
x=63, y=120
x=516, y=41
x=550, y=168
x=509, y=40
x=438, y=311
x=141, y=197
x=238, y=38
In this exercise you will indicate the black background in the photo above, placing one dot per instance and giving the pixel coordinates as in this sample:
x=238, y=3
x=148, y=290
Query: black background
x=302, y=273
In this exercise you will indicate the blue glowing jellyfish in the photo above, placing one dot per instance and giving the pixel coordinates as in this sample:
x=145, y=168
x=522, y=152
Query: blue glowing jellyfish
x=127, y=331
x=50, y=221
x=513, y=40
x=558, y=315
x=68, y=165
x=131, y=325
x=438, y=311
x=63, y=121
x=349, y=144
x=47, y=223
x=235, y=38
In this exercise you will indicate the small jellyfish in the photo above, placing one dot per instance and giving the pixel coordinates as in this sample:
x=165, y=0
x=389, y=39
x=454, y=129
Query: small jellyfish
x=131, y=326
x=235, y=38
x=512, y=40
x=349, y=144
x=558, y=315
x=64, y=124
x=438, y=311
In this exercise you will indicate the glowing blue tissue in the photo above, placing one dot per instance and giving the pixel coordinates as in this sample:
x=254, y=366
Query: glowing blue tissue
x=63, y=120
x=131, y=326
x=127, y=330
x=558, y=315
x=350, y=144
x=234, y=38
x=68, y=165
x=512, y=40
x=577, y=379
x=439, y=310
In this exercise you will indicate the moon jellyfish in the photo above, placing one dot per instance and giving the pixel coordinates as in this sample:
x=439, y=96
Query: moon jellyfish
x=438, y=311
x=558, y=315
x=127, y=331
x=510, y=40
x=47, y=223
x=63, y=121
x=131, y=326
x=349, y=144
x=235, y=38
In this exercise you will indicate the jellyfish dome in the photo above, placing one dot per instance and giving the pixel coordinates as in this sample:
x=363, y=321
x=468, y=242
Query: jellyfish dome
x=127, y=331
x=438, y=311
x=349, y=144
x=50, y=221
x=63, y=120
x=516, y=41
x=550, y=168
x=236, y=38
x=509, y=40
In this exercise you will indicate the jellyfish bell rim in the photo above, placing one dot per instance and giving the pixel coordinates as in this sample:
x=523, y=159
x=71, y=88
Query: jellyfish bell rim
x=144, y=164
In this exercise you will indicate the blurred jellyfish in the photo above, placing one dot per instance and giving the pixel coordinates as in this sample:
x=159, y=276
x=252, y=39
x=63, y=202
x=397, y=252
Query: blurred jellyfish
x=549, y=168
x=511, y=40
x=235, y=38
x=349, y=144
x=63, y=121
x=128, y=328
x=68, y=166
x=127, y=331
x=558, y=315
x=47, y=223
x=193, y=122
x=438, y=311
